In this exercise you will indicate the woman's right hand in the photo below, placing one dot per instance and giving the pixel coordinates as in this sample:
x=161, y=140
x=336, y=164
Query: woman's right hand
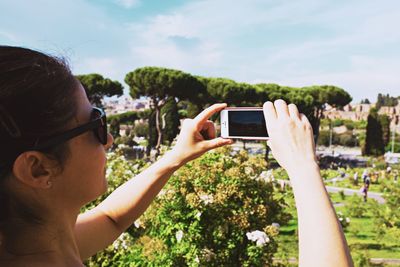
x=291, y=136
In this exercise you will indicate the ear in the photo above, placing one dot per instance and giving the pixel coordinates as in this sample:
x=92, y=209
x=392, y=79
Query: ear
x=34, y=169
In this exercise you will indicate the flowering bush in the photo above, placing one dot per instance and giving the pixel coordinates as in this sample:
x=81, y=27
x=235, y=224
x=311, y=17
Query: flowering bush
x=344, y=221
x=387, y=215
x=214, y=211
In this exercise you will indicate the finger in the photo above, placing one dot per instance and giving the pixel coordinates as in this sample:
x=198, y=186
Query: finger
x=294, y=112
x=269, y=115
x=269, y=143
x=207, y=113
x=269, y=111
x=281, y=109
x=217, y=142
x=304, y=119
x=209, y=130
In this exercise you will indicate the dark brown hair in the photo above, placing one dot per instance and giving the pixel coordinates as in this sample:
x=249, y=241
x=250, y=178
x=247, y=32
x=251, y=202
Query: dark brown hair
x=36, y=100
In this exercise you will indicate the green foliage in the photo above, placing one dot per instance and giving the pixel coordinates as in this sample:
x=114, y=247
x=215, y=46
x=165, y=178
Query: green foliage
x=231, y=92
x=384, y=121
x=212, y=203
x=152, y=134
x=365, y=101
x=125, y=140
x=343, y=220
x=170, y=120
x=337, y=122
x=386, y=100
x=141, y=129
x=160, y=83
x=130, y=117
x=374, y=139
x=347, y=139
x=215, y=211
x=396, y=148
x=96, y=87
x=356, y=207
x=114, y=127
x=387, y=216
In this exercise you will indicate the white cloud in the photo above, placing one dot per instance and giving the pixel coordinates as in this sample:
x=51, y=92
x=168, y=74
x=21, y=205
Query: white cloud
x=344, y=50
x=8, y=36
x=349, y=44
x=128, y=3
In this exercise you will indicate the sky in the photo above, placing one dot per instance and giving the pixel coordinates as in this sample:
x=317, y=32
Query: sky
x=351, y=44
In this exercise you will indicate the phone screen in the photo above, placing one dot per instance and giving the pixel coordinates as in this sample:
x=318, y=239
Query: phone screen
x=247, y=123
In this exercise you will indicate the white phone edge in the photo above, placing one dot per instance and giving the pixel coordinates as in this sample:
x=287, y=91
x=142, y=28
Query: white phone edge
x=225, y=125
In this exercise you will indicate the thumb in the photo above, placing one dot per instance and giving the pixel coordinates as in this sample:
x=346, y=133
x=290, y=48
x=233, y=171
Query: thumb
x=217, y=142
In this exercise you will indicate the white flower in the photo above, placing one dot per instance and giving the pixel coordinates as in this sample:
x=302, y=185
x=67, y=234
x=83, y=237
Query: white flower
x=179, y=235
x=266, y=176
x=124, y=241
x=348, y=220
x=259, y=237
x=197, y=260
x=207, y=254
x=137, y=224
x=340, y=219
x=108, y=172
x=162, y=192
x=248, y=170
x=198, y=214
x=276, y=225
x=207, y=199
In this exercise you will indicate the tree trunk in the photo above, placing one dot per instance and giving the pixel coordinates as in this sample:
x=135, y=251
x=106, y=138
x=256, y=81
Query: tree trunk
x=159, y=132
x=266, y=154
x=316, y=124
x=158, y=105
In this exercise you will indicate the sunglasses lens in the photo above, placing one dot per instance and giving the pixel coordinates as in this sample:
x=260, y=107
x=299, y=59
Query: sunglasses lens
x=101, y=130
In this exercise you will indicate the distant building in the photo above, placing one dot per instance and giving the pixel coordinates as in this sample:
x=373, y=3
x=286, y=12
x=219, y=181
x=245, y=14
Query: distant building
x=358, y=112
x=355, y=112
x=124, y=104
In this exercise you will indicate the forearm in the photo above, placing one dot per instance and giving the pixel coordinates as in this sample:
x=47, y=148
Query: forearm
x=321, y=240
x=131, y=199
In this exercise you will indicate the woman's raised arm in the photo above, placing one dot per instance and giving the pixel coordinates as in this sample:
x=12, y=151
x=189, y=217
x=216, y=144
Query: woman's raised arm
x=321, y=239
x=99, y=227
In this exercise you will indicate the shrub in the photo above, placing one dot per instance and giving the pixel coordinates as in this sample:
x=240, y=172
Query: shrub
x=343, y=220
x=215, y=211
x=141, y=129
x=356, y=207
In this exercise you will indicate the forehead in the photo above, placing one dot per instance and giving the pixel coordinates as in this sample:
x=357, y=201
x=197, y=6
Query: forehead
x=84, y=108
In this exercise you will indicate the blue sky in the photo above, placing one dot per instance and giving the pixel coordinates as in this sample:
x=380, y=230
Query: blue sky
x=351, y=44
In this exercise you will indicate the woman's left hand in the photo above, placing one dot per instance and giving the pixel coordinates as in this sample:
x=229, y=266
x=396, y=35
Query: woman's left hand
x=197, y=136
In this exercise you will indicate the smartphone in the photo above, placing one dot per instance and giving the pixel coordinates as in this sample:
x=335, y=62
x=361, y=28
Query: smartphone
x=243, y=123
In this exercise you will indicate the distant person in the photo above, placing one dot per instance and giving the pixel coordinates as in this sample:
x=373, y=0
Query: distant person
x=365, y=188
x=53, y=162
x=364, y=175
x=389, y=170
x=355, y=178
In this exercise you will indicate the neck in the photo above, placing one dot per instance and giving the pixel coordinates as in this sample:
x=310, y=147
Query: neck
x=52, y=241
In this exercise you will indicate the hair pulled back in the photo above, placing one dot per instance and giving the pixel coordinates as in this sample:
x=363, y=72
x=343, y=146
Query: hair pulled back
x=36, y=100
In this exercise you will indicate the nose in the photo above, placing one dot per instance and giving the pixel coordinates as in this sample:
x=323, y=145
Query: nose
x=110, y=141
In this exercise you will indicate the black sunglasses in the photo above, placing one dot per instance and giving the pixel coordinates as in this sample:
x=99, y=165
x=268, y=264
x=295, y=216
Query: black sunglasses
x=98, y=124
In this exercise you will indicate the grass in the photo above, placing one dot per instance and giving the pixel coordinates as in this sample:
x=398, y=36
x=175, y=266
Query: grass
x=360, y=235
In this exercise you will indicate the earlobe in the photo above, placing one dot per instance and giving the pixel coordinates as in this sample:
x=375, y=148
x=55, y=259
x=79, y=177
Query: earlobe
x=32, y=168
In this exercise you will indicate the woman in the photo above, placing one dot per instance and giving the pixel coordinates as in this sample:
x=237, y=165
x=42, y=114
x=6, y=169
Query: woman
x=53, y=160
